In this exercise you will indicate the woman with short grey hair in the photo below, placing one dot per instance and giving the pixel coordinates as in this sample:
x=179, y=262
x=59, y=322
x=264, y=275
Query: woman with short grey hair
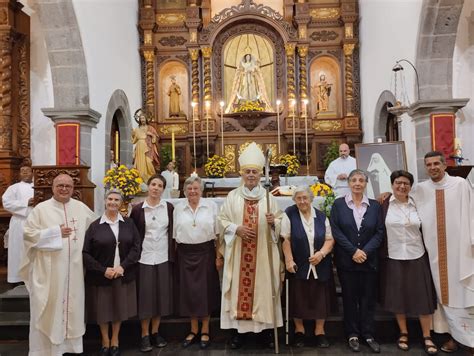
x=111, y=251
x=195, y=232
x=307, y=248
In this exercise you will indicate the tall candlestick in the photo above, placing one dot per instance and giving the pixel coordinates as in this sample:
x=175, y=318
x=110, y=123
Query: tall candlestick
x=222, y=127
x=208, y=105
x=278, y=102
x=293, y=114
x=173, y=151
x=193, y=104
x=305, y=114
x=117, y=146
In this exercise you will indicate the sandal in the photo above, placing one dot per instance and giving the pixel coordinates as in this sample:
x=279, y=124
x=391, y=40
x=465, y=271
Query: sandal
x=430, y=349
x=186, y=342
x=402, y=342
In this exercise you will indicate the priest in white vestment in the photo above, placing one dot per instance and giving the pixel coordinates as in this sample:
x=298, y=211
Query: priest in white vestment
x=244, y=223
x=53, y=271
x=338, y=171
x=17, y=200
x=172, y=180
x=445, y=205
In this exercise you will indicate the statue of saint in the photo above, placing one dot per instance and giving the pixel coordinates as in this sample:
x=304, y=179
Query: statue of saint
x=145, y=139
x=174, y=92
x=323, y=93
x=248, y=86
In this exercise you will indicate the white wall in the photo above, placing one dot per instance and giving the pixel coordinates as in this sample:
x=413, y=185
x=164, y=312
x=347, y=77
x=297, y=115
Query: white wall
x=388, y=32
x=463, y=79
x=110, y=40
x=43, y=152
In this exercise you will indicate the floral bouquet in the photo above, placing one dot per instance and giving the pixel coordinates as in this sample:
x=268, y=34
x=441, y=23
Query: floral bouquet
x=128, y=181
x=249, y=105
x=292, y=164
x=215, y=166
x=324, y=191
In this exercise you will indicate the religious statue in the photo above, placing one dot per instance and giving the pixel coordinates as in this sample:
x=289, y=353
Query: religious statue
x=174, y=92
x=323, y=92
x=145, y=138
x=248, y=87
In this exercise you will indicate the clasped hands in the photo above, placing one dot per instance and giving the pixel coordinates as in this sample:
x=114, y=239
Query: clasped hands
x=359, y=256
x=65, y=231
x=111, y=273
x=247, y=234
x=313, y=260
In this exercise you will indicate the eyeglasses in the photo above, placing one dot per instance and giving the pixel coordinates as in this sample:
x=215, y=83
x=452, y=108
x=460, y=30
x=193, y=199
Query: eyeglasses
x=64, y=186
x=402, y=183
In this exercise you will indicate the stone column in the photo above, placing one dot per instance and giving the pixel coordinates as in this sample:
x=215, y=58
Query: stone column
x=85, y=120
x=349, y=73
x=421, y=112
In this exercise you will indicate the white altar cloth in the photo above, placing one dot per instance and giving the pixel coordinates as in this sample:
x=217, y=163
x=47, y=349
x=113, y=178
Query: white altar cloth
x=235, y=182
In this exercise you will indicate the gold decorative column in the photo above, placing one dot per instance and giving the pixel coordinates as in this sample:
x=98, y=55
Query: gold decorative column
x=149, y=56
x=349, y=72
x=290, y=70
x=194, y=53
x=206, y=53
x=6, y=91
x=303, y=53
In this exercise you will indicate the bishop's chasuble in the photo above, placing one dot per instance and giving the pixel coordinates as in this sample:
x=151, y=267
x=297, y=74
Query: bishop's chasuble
x=53, y=273
x=246, y=285
x=446, y=210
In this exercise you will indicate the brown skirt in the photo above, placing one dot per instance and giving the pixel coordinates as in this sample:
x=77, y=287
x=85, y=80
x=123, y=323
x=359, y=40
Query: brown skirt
x=309, y=298
x=198, y=280
x=408, y=287
x=115, y=302
x=155, y=290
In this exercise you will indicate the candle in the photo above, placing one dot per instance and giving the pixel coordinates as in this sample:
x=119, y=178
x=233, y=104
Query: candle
x=173, y=152
x=222, y=127
x=305, y=115
x=278, y=102
x=292, y=105
x=194, y=104
x=194, y=174
x=457, y=142
x=208, y=105
x=117, y=147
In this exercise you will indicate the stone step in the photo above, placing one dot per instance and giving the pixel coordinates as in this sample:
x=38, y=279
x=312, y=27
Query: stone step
x=15, y=300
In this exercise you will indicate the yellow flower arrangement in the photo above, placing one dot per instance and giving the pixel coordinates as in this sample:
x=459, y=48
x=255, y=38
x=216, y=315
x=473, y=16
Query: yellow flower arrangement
x=324, y=190
x=249, y=105
x=292, y=164
x=215, y=166
x=126, y=180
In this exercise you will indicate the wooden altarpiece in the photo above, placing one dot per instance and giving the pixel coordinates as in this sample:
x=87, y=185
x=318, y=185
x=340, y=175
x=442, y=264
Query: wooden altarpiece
x=314, y=46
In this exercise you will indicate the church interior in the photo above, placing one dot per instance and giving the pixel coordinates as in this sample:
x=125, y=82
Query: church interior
x=298, y=77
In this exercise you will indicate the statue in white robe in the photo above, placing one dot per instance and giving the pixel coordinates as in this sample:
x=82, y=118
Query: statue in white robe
x=53, y=271
x=17, y=200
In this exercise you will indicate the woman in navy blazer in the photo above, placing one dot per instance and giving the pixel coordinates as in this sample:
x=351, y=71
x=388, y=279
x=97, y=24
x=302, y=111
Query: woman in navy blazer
x=357, y=228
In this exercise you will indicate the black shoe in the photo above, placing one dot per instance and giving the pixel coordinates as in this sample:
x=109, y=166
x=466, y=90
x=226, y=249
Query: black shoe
x=158, y=340
x=354, y=344
x=322, y=341
x=104, y=351
x=374, y=345
x=236, y=341
x=114, y=351
x=145, y=345
x=299, y=339
x=269, y=339
x=204, y=344
x=186, y=342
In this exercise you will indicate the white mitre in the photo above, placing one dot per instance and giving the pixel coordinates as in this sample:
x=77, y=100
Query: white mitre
x=252, y=157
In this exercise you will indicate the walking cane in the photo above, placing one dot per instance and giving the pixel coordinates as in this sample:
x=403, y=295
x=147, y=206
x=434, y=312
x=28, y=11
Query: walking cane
x=269, y=248
x=287, y=312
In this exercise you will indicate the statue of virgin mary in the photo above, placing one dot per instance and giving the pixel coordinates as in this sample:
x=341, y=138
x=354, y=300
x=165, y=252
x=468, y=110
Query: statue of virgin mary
x=248, y=86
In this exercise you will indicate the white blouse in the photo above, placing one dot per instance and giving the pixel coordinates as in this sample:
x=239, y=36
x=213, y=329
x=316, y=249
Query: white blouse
x=114, y=226
x=404, y=238
x=155, y=243
x=195, y=227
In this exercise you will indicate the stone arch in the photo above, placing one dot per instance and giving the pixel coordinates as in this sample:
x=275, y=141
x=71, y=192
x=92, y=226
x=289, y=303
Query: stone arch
x=118, y=105
x=65, y=53
x=436, y=41
x=386, y=100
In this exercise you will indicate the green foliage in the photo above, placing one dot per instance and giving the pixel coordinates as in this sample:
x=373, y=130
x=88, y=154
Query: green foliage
x=331, y=154
x=166, y=157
